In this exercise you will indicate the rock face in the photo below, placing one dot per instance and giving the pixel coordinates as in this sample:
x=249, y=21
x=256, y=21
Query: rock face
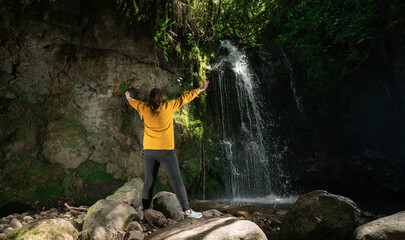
x=321, y=215
x=45, y=229
x=106, y=219
x=130, y=193
x=63, y=74
x=168, y=204
x=212, y=228
x=387, y=228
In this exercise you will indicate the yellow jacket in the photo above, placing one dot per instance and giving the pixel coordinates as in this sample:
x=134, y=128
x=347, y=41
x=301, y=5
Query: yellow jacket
x=158, y=133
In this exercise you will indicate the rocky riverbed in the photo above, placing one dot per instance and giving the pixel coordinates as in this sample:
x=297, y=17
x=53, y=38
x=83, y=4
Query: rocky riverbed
x=267, y=217
x=315, y=215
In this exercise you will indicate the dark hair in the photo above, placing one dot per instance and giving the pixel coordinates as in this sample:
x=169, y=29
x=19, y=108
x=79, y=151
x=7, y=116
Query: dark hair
x=155, y=99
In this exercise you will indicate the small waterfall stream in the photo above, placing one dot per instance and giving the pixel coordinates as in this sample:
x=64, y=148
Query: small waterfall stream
x=253, y=171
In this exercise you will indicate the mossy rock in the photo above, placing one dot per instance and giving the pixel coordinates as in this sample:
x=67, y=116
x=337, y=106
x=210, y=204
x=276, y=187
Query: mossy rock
x=56, y=229
x=66, y=143
x=109, y=213
x=321, y=215
x=130, y=193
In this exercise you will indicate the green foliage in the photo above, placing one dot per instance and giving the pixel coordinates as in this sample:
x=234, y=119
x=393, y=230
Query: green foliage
x=122, y=88
x=129, y=9
x=330, y=39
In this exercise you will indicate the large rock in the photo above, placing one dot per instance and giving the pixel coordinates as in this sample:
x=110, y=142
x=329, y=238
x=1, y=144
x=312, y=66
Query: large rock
x=168, y=204
x=211, y=228
x=57, y=229
x=130, y=193
x=109, y=213
x=387, y=228
x=102, y=233
x=66, y=143
x=155, y=218
x=321, y=215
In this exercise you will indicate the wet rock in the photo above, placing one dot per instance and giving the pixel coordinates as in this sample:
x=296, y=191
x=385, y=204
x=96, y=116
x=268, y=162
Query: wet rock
x=109, y=213
x=54, y=214
x=25, y=214
x=7, y=230
x=102, y=232
x=155, y=218
x=212, y=213
x=135, y=235
x=210, y=228
x=53, y=210
x=130, y=193
x=28, y=219
x=257, y=213
x=15, y=223
x=281, y=213
x=170, y=221
x=275, y=223
x=321, y=215
x=386, y=228
x=132, y=226
x=45, y=229
x=168, y=204
x=367, y=214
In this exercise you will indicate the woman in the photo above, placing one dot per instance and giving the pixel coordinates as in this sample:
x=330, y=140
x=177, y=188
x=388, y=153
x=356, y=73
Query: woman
x=158, y=143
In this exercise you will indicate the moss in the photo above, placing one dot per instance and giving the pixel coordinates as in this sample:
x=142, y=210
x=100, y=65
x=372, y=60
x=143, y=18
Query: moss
x=3, y=120
x=92, y=209
x=34, y=231
x=92, y=171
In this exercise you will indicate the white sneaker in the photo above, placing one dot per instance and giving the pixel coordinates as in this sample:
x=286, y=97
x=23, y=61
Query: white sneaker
x=193, y=214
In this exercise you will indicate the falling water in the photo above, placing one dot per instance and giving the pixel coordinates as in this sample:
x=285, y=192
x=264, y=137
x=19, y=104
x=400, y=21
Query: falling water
x=292, y=82
x=252, y=172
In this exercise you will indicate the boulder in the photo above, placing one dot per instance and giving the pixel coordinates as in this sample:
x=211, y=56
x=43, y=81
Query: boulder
x=57, y=229
x=391, y=227
x=130, y=193
x=134, y=226
x=321, y=215
x=168, y=204
x=210, y=228
x=102, y=233
x=109, y=213
x=135, y=235
x=155, y=218
x=66, y=143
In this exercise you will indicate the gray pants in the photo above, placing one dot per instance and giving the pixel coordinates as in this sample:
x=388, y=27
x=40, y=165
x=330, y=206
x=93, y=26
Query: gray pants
x=168, y=159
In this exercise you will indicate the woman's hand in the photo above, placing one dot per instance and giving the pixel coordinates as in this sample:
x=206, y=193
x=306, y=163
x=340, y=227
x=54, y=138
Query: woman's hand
x=204, y=86
x=128, y=95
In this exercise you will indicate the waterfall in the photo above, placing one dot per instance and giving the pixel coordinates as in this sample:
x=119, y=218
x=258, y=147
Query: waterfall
x=292, y=82
x=252, y=173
